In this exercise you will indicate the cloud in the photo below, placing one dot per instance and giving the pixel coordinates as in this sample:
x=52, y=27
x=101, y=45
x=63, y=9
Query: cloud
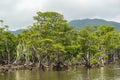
x=18, y=13
x=86, y=8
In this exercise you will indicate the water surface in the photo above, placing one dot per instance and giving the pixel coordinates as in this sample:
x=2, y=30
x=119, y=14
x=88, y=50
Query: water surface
x=104, y=73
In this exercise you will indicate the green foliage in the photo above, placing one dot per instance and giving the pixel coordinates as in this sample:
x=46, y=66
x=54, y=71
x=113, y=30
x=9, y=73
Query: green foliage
x=51, y=39
x=7, y=45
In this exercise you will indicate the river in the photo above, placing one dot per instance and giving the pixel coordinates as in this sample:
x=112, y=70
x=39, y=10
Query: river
x=104, y=73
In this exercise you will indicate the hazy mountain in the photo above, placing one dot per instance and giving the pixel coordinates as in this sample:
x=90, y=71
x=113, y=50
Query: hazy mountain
x=17, y=31
x=78, y=24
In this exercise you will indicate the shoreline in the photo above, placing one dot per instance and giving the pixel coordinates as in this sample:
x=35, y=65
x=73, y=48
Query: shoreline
x=14, y=67
x=44, y=67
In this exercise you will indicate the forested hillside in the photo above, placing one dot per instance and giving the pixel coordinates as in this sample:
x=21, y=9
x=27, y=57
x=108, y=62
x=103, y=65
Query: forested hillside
x=52, y=42
x=19, y=31
x=79, y=24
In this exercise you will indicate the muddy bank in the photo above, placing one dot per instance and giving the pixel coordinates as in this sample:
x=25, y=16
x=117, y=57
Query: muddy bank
x=35, y=66
x=7, y=68
x=53, y=66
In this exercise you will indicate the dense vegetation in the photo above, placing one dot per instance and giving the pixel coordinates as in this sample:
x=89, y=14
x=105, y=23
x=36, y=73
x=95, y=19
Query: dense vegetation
x=53, y=42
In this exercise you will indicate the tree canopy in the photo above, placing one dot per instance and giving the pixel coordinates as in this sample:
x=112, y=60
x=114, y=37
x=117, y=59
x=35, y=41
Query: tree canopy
x=52, y=40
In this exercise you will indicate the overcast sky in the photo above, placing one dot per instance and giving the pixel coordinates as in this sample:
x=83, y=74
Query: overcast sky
x=19, y=13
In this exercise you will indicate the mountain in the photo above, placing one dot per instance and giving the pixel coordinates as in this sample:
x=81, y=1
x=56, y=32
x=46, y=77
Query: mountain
x=78, y=24
x=18, y=31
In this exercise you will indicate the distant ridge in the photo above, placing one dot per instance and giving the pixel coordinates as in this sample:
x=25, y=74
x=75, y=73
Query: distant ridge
x=18, y=31
x=78, y=24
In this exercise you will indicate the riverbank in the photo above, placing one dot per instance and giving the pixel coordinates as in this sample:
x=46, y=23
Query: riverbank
x=10, y=67
x=35, y=66
x=44, y=67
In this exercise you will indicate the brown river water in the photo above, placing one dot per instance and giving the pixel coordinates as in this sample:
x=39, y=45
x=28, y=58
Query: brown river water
x=110, y=72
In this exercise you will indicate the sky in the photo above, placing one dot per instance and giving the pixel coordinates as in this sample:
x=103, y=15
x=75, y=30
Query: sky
x=18, y=14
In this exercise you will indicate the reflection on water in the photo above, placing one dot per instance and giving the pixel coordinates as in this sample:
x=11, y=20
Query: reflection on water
x=105, y=73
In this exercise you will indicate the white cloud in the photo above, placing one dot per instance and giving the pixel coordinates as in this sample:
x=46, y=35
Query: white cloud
x=18, y=13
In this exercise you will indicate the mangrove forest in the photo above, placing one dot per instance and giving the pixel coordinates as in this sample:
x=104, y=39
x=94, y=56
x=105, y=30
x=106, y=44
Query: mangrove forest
x=51, y=43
